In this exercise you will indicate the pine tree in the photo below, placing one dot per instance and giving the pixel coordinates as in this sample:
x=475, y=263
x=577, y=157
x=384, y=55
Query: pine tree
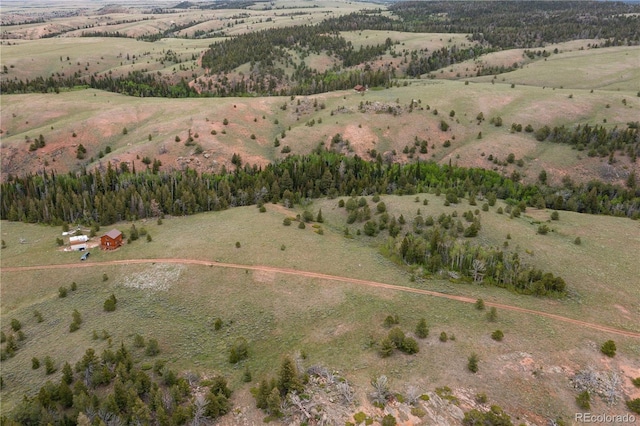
x=67, y=374
x=288, y=377
x=274, y=401
x=422, y=329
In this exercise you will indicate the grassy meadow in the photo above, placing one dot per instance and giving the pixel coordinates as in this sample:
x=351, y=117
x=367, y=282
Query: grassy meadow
x=332, y=322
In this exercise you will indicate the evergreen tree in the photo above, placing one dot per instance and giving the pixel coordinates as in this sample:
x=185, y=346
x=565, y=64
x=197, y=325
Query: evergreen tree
x=288, y=377
x=422, y=329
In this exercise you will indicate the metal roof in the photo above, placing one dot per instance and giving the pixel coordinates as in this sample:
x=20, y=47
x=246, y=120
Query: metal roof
x=113, y=234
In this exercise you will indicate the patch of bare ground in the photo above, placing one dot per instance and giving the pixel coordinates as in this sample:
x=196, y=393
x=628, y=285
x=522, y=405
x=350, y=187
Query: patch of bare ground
x=361, y=138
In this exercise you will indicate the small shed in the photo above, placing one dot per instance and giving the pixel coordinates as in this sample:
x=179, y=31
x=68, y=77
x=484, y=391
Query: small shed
x=78, y=246
x=111, y=240
x=78, y=243
x=360, y=88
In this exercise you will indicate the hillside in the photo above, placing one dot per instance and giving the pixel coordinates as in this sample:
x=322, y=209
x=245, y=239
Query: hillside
x=332, y=212
x=330, y=321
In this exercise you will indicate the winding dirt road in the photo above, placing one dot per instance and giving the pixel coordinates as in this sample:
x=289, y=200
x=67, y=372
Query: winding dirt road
x=318, y=275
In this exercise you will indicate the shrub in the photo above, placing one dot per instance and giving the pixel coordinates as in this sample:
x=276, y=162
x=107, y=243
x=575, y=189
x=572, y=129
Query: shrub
x=138, y=341
x=35, y=363
x=555, y=215
x=105, y=277
x=286, y=221
x=15, y=324
x=495, y=416
x=153, y=348
x=62, y=292
x=49, y=366
x=38, y=316
x=472, y=365
x=239, y=351
x=634, y=405
x=479, y=304
x=543, y=229
x=410, y=346
x=497, y=335
x=577, y=241
x=386, y=347
x=609, y=348
x=584, y=400
x=307, y=216
x=422, y=329
x=390, y=321
x=636, y=382
x=246, y=376
x=74, y=326
x=492, y=315
x=389, y=420
x=237, y=244
x=444, y=126
x=301, y=225
x=443, y=337
x=110, y=304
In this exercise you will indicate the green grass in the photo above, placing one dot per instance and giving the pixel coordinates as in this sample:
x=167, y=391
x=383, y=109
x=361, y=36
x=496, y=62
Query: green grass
x=330, y=321
x=612, y=69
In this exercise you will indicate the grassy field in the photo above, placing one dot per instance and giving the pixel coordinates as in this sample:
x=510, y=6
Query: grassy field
x=330, y=321
x=612, y=69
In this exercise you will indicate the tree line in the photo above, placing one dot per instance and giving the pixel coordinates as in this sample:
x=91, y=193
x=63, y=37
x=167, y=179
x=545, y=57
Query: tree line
x=596, y=140
x=107, y=195
x=524, y=24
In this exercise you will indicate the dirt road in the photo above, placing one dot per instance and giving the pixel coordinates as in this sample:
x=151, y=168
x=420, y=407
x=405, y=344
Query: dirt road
x=318, y=275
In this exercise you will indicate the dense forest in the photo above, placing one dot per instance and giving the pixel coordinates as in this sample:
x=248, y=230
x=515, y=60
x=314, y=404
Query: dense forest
x=110, y=195
x=525, y=24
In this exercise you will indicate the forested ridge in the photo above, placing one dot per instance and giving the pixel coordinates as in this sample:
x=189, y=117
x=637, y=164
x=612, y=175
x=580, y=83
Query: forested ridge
x=493, y=26
x=110, y=196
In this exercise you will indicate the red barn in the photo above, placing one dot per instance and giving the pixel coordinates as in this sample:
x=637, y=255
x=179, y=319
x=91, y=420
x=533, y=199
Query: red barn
x=111, y=240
